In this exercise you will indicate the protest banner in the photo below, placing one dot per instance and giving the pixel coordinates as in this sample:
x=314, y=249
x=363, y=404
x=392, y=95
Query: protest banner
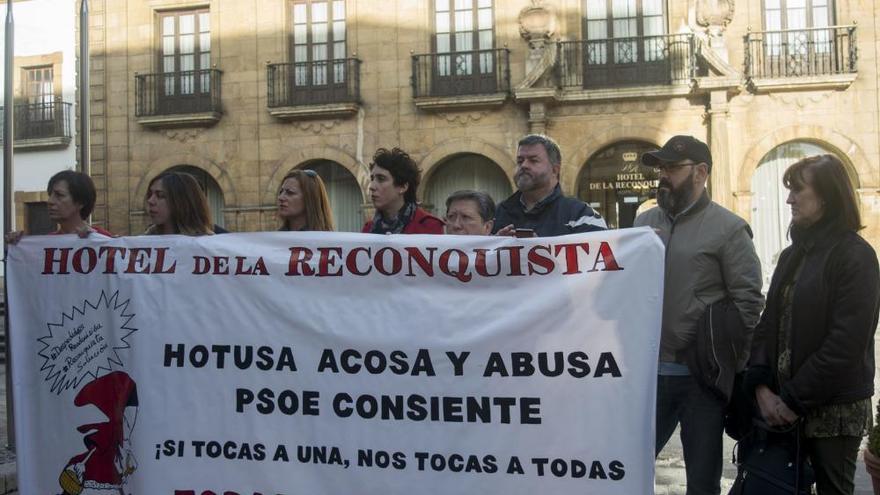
x=317, y=363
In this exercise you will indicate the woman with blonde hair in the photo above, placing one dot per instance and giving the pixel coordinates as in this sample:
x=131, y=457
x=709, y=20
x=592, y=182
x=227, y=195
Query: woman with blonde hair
x=303, y=203
x=176, y=204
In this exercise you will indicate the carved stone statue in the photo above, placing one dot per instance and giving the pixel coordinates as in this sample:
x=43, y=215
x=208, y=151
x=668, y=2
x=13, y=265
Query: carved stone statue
x=537, y=25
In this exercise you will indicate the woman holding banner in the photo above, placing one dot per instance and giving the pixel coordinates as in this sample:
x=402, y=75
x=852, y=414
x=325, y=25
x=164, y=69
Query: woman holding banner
x=177, y=205
x=813, y=350
x=71, y=200
x=303, y=204
x=394, y=178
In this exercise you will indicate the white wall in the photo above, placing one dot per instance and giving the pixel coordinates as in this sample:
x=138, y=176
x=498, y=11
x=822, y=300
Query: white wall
x=42, y=27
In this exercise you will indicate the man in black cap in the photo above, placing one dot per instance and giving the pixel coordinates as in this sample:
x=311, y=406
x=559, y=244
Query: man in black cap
x=710, y=258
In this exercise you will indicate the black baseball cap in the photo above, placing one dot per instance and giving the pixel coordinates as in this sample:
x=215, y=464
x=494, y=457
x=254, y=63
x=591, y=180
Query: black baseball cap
x=677, y=149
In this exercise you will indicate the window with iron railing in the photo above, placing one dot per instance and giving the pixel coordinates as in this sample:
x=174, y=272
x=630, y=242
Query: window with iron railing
x=319, y=71
x=625, y=43
x=793, y=53
x=464, y=59
x=186, y=81
x=42, y=120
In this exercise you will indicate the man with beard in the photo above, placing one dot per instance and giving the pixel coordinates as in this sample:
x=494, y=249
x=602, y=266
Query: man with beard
x=709, y=258
x=538, y=207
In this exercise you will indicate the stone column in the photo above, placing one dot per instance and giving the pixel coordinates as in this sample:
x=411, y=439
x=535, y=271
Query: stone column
x=719, y=145
x=537, y=118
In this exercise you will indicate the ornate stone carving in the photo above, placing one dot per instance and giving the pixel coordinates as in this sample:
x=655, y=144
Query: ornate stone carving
x=315, y=126
x=714, y=15
x=802, y=100
x=183, y=135
x=464, y=118
x=537, y=25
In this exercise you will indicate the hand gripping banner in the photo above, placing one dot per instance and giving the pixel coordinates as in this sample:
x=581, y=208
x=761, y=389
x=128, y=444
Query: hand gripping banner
x=315, y=363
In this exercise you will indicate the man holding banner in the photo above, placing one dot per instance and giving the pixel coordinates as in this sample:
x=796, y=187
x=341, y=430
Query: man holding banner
x=710, y=258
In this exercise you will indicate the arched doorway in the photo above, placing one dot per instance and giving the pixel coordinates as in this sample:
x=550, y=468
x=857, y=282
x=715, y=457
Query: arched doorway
x=464, y=171
x=615, y=183
x=212, y=191
x=344, y=193
x=770, y=213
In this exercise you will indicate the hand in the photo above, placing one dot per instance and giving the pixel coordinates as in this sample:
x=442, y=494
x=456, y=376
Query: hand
x=507, y=230
x=14, y=237
x=773, y=408
x=83, y=231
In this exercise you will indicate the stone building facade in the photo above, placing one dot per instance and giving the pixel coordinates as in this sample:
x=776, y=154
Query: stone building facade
x=239, y=92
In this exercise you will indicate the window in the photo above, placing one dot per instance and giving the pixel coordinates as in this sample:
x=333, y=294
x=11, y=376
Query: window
x=466, y=29
x=39, y=95
x=318, y=43
x=185, y=53
x=627, y=44
x=799, y=18
x=38, y=221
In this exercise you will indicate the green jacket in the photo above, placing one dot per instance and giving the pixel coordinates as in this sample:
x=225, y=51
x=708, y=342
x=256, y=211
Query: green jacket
x=709, y=255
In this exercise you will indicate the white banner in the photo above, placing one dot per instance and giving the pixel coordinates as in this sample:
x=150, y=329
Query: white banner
x=314, y=363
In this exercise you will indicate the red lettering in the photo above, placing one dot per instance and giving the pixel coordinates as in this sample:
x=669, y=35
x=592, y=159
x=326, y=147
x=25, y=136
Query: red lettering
x=109, y=253
x=160, y=262
x=327, y=260
x=463, y=262
x=351, y=261
x=607, y=258
x=426, y=264
x=221, y=265
x=545, y=262
x=396, y=262
x=480, y=263
x=571, y=256
x=201, y=265
x=91, y=263
x=299, y=257
x=134, y=257
x=514, y=253
x=239, y=266
x=49, y=261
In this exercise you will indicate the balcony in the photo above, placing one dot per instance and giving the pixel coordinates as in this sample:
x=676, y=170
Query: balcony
x=178, y=99
x=478, y=78
x=326, y=88
x=801, y=58
x=40, y=125
x=646, y=66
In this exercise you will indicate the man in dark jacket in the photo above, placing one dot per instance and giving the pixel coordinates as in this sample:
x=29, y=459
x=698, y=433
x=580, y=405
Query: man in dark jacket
x=709, y=257
x=538, y=205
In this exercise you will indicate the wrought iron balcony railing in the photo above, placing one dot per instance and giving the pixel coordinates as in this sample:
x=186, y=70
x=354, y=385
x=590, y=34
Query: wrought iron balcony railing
x=45, y=120
x=801, y=52
x=314, y=83
x=176, y=93
x=618, y=62
x=461, y=73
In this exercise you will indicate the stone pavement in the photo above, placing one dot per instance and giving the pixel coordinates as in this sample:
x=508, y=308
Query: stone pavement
x=669, y=478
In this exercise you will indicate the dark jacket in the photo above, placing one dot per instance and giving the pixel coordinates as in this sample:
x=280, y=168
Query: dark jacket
x=834, y=314
x=552, y=216
x=422, y=222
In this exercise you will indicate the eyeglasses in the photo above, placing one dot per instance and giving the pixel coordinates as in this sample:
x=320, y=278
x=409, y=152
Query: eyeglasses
x=671, y=168
x=309, y=172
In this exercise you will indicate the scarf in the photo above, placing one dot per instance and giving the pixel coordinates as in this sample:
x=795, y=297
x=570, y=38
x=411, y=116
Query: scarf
x=396, y=224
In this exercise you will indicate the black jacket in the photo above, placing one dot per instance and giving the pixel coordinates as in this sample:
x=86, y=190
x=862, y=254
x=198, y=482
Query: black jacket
x=552, y=216
x=834, y=315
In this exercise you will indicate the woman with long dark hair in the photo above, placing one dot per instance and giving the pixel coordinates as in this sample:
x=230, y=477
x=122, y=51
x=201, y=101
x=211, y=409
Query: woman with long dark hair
x=813, y=350
x=394, y=178
x=176, y=205
x=303, y=203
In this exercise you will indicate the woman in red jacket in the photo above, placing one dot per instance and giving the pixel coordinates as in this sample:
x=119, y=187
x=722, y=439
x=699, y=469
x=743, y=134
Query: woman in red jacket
x=394, y=178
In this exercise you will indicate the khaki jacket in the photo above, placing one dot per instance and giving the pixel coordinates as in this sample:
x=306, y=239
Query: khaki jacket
x=709, y=255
